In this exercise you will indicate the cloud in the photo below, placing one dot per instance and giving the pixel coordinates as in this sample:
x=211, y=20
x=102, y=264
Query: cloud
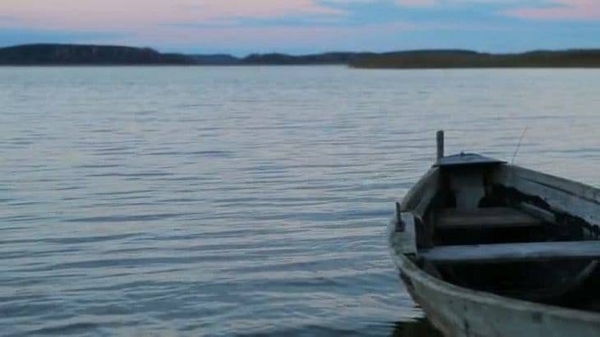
x=416, y=3
x=430, y=3
x=113, y=14
x=274, y=24
x=535, y=9
x=561, y=10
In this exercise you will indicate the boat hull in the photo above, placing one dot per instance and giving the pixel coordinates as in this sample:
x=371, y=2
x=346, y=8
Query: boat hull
x=474, y=231
x=461, y=312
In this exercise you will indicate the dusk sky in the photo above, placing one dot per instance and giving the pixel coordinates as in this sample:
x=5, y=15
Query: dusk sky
x=305, y=26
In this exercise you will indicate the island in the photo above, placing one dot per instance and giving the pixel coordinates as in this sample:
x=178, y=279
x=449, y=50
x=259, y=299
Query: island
x=330, y=58
x=444, y=59
x=68, y=54
x=99, y=55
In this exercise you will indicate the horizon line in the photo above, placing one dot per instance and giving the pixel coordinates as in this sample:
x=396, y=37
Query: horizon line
x=162, y=51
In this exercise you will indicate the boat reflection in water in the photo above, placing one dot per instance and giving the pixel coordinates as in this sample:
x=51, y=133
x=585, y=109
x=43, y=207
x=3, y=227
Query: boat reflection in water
x=419, y=328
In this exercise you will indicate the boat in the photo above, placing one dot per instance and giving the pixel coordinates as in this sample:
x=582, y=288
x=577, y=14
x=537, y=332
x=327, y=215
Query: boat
x=488, y=248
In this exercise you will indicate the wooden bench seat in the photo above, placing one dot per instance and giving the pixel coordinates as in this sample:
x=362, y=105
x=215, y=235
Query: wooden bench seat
x=513, y=252
x=493, y=217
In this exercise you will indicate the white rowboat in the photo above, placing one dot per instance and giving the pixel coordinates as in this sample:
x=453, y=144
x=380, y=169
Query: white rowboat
x=488, y=248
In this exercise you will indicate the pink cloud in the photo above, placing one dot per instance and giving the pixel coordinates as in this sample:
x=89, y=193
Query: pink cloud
x=135, y=14
x=561, y=10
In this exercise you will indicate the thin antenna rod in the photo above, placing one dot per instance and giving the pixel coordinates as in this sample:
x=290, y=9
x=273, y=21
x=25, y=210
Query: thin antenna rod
x=518, y=146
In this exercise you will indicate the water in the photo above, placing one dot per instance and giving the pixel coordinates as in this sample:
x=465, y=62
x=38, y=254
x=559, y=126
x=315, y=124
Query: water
x=241, y=201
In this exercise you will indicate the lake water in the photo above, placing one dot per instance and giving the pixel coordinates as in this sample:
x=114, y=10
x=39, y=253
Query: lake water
x=246, y=200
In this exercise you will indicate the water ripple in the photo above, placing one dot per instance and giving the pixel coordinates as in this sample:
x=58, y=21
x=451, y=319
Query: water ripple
x=245, y=201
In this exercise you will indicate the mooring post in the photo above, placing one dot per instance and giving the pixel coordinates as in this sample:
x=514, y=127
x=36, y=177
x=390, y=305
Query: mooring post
x=400, y=225
x=440, y=144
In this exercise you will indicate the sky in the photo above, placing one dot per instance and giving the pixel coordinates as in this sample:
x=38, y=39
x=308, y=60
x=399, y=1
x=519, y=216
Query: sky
x=241, y=27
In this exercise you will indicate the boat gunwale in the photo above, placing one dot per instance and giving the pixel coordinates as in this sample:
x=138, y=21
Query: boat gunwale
x=573, y=186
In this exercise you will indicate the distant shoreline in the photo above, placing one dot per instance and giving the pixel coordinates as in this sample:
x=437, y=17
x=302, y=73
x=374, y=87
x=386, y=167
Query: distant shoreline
x=99, y=55
x=453, y=59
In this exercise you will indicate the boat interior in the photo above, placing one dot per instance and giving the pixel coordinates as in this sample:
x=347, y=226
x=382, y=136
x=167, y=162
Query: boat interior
x=489, y=226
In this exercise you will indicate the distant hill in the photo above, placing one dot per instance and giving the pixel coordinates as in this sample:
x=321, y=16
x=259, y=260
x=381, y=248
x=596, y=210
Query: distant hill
x=419, y=59
x=59, y=54
x=215, y=59
x=68, y=54
x=311, y=59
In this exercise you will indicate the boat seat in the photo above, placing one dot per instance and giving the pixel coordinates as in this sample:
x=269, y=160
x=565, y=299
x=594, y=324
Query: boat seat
x=513, y=252
x=479, y=218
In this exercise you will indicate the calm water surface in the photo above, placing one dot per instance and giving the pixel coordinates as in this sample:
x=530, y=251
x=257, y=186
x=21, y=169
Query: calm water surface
x=243, y=201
